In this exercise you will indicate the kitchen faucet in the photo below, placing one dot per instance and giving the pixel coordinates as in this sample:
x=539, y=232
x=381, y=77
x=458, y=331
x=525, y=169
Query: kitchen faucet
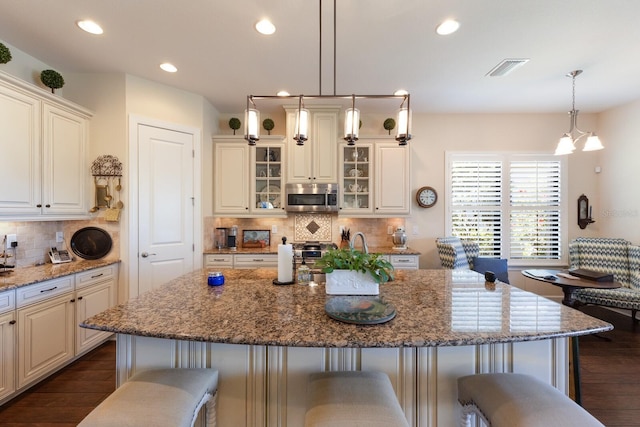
x=365, y=248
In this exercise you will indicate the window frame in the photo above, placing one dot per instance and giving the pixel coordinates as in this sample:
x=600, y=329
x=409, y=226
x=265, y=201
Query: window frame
x=506, y=158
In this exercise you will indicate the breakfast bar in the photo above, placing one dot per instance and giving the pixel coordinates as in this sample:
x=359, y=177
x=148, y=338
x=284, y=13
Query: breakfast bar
x=265, y=339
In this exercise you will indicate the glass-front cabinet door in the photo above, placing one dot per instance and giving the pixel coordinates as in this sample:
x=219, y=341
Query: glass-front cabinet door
x=356, y=167
x=268, y=180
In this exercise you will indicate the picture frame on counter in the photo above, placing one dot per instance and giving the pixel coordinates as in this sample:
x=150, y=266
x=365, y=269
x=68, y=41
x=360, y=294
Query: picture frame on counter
x=256, y=238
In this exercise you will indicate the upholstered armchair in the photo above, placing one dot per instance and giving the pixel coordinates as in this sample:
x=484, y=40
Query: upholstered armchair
x=614, y=256
x=456, y=253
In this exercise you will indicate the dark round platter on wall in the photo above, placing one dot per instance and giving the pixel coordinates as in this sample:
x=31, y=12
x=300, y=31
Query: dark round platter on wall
x=91, y=243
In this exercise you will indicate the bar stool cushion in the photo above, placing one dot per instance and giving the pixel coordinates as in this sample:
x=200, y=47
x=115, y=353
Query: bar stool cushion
x=353, y=399
x=517, y=400
x=158, y=397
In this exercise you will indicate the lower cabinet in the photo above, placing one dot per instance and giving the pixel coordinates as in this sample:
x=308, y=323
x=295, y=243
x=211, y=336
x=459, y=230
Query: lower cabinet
x=39, y=330
x=404, y=262
x=7, y=346
x=240, y=261
x=45, y=337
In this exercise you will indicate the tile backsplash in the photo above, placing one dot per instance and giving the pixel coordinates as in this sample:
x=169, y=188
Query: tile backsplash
x=299, y=227
x=36, y=237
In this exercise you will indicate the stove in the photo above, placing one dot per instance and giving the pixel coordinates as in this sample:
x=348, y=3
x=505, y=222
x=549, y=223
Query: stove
x=311, y=251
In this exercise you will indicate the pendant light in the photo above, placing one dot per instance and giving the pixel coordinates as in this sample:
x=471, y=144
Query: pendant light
x=567, y=143
x=352, y=115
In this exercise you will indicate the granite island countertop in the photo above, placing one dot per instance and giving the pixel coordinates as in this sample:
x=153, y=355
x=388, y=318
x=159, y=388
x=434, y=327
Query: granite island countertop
x=434, y=308
x=24, y=276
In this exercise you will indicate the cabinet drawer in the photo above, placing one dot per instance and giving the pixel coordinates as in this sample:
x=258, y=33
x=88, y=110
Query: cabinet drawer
x=41, y=291
x=256, y=261
x=7, y=301
x=96, y=275
x=404, y=262
x=218, y=260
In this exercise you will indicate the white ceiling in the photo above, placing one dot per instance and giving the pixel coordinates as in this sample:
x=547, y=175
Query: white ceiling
x=382, y=45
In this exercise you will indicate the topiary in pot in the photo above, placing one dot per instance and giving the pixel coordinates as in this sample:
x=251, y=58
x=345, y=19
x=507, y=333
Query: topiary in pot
x=389, y=124
x=234, y=123
x=5, y=54
x=268, y=125
x=52, y=79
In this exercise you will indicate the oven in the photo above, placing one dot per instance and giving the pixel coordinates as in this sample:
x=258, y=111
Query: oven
x=310, y=251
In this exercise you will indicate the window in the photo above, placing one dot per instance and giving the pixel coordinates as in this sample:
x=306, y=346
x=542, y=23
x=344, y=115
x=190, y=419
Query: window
x=512, y=204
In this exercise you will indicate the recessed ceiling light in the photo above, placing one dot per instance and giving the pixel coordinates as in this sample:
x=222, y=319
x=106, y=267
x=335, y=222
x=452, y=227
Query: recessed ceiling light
x=90, y=26
x=401, y=92
x=283, y=93
x=168, y=67
x=265, y=27
x=449, y=26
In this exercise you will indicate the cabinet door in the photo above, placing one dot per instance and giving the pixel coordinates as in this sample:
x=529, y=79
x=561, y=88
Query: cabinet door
x=299, y=158
x=325, y=146
x=392, y=179
x=64, y=162
x=356, y=179
x=89, y=302
x=45, y=337
x=231, y=177
x=20, y=192
x=268, y=177
x=7, y=354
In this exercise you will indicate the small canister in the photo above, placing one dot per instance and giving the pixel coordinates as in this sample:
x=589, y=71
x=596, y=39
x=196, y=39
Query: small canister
x=216, y=278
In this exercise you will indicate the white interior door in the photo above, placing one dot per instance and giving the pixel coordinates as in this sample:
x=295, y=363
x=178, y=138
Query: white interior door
x=165, y=205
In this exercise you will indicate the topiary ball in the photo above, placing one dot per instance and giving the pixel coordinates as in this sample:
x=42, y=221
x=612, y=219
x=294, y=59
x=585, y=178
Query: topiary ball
x=389, y=124
x=5, y=54
x=234, y=123
x=52, y=79
x=268, y=125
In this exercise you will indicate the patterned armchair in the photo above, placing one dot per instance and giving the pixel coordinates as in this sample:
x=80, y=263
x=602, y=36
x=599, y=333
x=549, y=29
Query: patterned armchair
x=456, y=253
x=615, y=256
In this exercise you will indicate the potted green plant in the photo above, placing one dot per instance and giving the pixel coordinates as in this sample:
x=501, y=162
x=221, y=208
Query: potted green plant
x=268, y=125
x=234, y=123
x=352, y=272
x=5, y=54
x=52, y=79
x=389, y=124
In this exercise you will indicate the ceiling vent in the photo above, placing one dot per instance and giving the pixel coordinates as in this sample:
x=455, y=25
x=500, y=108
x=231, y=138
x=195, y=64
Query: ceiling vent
x=507, y=66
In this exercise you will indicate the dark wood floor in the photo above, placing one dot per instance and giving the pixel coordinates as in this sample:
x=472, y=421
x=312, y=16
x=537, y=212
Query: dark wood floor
x=611, y=371
x=66, y=397
x=610, y=382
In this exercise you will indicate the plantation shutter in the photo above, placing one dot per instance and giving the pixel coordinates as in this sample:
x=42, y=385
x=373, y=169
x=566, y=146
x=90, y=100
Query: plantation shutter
x=476, y=203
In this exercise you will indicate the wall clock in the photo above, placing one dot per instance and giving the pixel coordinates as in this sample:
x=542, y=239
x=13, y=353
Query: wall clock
x=426, y=197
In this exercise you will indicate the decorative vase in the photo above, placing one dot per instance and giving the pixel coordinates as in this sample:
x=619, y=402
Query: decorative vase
x=348, y=282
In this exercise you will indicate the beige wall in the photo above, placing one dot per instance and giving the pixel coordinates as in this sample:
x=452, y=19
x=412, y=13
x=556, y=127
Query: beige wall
x=618, y=210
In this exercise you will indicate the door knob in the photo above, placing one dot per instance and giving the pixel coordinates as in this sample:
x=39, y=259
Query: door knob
x=145, y=254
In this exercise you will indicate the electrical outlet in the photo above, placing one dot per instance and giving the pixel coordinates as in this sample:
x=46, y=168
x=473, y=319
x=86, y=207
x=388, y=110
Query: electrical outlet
x=274, y=229
x=11, y=238
x=59, y=236
x=416, y=230
x=389, y=229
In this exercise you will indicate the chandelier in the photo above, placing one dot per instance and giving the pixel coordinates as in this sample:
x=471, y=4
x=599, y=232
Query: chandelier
x=567, y=143
x=352, y=114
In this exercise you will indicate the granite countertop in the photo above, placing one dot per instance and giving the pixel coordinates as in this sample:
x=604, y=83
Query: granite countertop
x=387, y=250
x=23, y=276
x=434, y=308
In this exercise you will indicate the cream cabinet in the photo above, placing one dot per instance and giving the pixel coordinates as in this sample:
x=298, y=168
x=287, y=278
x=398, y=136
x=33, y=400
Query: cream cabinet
x=249, y=180
x=218, y=261
x=47, y=136
x=375, y=178
x=7, y=343
x=255, y=261
x=316, y=160
x=392, y=176
x=95, y=292
x=45, y=328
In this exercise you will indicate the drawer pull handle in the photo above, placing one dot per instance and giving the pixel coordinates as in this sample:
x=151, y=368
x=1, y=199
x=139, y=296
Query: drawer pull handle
x=48, y=290
x=219, y=259
x=404, y=260
x=258, y=259
x=97, y=275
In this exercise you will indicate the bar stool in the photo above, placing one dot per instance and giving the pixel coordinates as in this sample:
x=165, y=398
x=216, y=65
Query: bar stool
x=159, y=398
x=517, y=400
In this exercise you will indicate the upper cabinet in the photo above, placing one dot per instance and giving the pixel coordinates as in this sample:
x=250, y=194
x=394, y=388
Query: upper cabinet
x=316, y=160
x=249, y=180
x=375, y=178
x=45, y=140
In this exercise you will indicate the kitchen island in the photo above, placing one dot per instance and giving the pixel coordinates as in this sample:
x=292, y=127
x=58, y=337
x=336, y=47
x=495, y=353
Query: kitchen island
x=265, y=339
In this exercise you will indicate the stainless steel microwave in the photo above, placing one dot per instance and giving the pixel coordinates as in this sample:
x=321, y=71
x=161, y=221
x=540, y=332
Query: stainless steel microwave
x=311, y=197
